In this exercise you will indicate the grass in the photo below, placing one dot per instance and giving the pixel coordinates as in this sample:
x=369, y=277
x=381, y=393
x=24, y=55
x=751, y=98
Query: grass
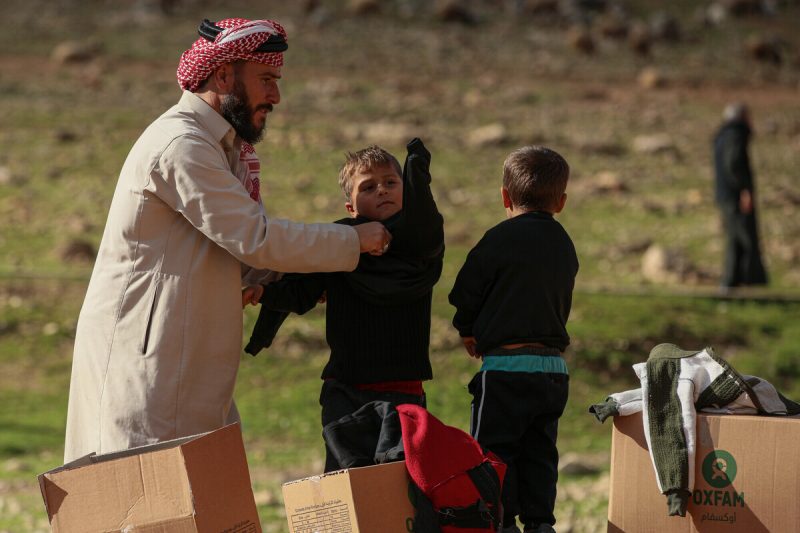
x=66, y=130
x=277, y=391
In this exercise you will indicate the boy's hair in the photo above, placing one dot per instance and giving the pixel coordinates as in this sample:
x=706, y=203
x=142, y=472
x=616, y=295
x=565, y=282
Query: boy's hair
x=535, y=177
x=363, y=160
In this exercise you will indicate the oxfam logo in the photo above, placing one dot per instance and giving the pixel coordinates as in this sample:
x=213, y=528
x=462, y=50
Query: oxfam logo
x=719, y=469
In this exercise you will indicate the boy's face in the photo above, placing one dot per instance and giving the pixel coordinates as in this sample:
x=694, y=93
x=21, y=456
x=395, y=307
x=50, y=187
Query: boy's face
x=377, y=193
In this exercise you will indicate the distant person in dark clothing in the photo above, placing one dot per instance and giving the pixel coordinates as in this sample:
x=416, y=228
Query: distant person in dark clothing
x=512, y=298
x=735, y=197
x=378, y=318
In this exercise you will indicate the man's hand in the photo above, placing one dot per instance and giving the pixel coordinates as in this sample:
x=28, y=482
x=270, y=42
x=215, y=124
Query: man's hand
x=471, y=346
x=746, y=202
x=252, y=295
x=373, y=238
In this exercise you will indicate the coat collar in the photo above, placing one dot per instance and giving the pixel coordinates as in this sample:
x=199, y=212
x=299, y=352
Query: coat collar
x=215, y=123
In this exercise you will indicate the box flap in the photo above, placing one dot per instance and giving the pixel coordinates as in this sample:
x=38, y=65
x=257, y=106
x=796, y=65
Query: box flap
x=77, y=463
x=372, y=486
x=147, y=448
x=93, y=458
x=142, y=489
x=216, y=466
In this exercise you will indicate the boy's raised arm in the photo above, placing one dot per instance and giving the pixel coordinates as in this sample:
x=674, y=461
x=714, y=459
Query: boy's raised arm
x=419, y=230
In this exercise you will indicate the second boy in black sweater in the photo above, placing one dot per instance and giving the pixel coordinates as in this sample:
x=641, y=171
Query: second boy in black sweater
x=378, y=317
x=513, y=297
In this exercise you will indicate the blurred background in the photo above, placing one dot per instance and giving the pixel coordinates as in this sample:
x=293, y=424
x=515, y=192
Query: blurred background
x=629, y=91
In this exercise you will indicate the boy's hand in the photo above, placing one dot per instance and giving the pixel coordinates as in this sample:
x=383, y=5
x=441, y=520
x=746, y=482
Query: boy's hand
x=471, y=346
x=252, y=295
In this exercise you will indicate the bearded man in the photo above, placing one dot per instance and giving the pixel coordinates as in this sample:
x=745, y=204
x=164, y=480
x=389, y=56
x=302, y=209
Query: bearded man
x=159, y=334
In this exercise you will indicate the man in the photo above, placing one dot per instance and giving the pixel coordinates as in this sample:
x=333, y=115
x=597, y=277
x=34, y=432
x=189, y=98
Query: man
x=735, y=197
x=159, y=335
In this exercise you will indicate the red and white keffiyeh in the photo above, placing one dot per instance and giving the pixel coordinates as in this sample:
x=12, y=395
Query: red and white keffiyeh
x=250, y=171
x=237, y=42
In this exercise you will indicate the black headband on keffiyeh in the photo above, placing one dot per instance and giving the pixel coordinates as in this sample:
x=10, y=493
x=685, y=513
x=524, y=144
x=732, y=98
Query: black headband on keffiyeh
x=275, y=42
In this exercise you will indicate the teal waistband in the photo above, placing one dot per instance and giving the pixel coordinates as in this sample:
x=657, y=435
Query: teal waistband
x=551, y=364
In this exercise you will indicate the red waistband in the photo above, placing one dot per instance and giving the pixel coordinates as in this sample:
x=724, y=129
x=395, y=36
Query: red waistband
x=405, y=387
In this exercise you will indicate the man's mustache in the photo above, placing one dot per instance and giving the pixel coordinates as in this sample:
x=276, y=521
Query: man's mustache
x=267, y=107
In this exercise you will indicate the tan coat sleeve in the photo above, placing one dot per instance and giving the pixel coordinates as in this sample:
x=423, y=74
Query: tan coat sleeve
x=192, y=178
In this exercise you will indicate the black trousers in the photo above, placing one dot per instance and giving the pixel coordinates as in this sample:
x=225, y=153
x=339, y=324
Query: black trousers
x=339, y=399
x=743, y=265
x=515, y=415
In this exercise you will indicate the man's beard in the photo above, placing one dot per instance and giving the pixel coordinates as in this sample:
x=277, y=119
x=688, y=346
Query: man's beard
x=235, y=107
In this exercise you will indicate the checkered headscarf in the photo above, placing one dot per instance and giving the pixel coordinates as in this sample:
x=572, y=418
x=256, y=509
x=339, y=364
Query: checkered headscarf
x=238, y=41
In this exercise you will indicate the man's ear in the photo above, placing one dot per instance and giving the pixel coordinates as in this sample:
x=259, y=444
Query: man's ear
x=224, y=77
x=350, y=209
x=507, y=203
x=561, y=203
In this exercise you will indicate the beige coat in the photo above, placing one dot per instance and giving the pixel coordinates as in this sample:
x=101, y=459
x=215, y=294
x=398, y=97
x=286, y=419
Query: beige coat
x=159, y=335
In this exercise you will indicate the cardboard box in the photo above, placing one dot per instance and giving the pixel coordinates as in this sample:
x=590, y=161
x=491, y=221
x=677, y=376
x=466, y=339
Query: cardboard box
x=370, y=499
x=194, y=484
x=759, y=492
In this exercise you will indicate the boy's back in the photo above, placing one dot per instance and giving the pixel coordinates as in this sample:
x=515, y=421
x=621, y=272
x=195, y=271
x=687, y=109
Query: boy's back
x=516, y=284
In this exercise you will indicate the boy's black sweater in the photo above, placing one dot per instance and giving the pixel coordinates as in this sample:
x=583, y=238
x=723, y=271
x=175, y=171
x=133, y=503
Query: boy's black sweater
x=378, y=317
x=516, y=285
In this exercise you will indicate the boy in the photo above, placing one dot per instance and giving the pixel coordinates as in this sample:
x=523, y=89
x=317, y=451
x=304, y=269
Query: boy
x=378, y=317
x=512, y=298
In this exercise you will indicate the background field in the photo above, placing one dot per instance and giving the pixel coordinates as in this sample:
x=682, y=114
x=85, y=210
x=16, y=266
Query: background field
x=473, y=91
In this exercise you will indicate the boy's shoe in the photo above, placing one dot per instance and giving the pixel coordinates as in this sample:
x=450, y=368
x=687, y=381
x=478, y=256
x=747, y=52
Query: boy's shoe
x=541, y=528
x=510, y=529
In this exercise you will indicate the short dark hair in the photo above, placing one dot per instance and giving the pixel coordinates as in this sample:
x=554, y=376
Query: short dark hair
x=365, y=160
x=535, y=177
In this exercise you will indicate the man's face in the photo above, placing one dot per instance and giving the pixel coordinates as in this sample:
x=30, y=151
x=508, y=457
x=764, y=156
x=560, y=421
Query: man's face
x=377, y=193
x=255, y=92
